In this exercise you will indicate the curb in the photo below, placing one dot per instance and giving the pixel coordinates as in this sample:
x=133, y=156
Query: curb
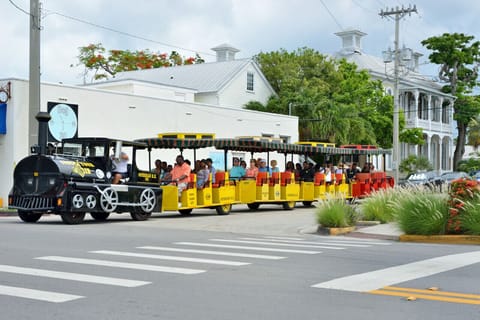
x=334, y=231
x=378, y=236
x=443, y=239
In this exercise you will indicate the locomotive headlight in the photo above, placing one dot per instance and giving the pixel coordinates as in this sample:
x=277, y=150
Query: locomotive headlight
x=99, y=173
x=30, y=181
x=51, y=181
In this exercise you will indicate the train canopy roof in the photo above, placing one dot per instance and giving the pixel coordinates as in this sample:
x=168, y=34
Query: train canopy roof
x=252, y=144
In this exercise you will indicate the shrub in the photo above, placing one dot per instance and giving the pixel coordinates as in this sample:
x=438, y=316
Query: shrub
x=422, y=213
x=462, y=191
x=336, y=213
x=470, y=217
x=378, y=206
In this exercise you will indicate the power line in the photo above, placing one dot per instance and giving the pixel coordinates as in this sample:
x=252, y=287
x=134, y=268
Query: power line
x=16, y=6
x=124, y=33
x=110, y=29
x=331, y=15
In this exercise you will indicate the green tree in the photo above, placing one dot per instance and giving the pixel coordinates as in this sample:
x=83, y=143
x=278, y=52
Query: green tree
x=414, y=163
x=473, y=134
x=459, y=59
x=333, y=100
x=103, y=64
x=412, y=136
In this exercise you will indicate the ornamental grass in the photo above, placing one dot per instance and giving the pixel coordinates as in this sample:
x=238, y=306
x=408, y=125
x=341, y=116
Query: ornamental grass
x=378, y=206
x=421, y=213
x=336, y=213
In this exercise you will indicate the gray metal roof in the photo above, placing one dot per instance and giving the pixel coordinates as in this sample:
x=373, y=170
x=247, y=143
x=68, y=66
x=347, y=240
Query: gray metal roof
x=376, y=66
x=204, y=77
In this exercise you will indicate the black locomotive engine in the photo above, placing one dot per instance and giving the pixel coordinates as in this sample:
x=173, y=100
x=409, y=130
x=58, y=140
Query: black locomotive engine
x=78, y=180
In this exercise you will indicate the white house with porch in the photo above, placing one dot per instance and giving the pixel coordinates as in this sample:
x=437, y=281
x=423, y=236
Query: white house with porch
x=421, y=100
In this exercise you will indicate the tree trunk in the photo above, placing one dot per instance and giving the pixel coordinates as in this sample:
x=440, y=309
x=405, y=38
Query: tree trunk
x=460, y=146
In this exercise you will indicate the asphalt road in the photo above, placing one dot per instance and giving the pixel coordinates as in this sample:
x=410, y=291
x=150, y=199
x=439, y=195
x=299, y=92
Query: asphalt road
x=242, y=266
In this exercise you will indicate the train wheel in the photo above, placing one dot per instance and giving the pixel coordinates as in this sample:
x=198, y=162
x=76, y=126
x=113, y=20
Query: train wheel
x=307, y=203
x=140, y=215
x=223, y=209
x=253, y=206
x=73, y=217
x=29, y=216
x=289, y=205
x=100, y=216
x=109, y=200
x=148, y=200
x=91, y=201
x=185, y=212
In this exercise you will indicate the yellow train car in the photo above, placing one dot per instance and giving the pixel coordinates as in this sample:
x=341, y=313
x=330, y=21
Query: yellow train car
x=282, y=188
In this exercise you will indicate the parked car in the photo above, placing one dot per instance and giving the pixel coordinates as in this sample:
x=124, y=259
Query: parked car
x=476, y=176
x=448, y=177
x=426, y=178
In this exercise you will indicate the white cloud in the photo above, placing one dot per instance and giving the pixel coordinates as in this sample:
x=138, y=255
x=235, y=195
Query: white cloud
x=250, y=25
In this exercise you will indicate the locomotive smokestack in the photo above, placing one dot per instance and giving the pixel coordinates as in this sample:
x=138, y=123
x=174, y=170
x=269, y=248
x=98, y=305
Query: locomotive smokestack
x=43, y=118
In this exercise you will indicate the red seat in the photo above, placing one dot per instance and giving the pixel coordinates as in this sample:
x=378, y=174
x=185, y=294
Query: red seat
x=338, y=178
x=193, y=181
x=285, y=178
x=319, y=179
x=364, y=181
x=262, y=178
x=275, y=179
x=219, y=179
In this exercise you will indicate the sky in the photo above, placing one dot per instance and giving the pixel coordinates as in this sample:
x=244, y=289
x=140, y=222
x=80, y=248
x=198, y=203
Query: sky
x=190, y=26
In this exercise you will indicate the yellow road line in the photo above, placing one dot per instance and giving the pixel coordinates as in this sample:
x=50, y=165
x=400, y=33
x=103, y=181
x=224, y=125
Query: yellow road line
x=406, y=292
x=440, y=293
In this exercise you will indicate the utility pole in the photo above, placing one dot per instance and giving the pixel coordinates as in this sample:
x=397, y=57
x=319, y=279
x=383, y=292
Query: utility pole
x=34, y=73
x=398, y=14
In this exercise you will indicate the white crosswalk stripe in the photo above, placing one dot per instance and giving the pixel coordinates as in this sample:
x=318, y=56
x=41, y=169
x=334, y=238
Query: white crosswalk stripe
x=172, y=258
x=310, y=242
x=33, y=294
x=72, y=276
x=125, y=265
x=284, y=238
x=241, y=248
x=278, y=244
x=211, y=252
x=214, y=245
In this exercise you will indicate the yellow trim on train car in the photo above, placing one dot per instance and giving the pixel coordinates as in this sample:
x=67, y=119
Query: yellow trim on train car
x=316, y=144
x=186, y=135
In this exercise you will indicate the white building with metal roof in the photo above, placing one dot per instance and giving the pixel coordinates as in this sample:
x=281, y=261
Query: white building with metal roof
x=206, y=98
x=421, y=100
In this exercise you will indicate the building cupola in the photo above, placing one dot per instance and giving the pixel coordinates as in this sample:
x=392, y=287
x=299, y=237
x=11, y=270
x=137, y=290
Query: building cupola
x=225, y=52
x=351, y=41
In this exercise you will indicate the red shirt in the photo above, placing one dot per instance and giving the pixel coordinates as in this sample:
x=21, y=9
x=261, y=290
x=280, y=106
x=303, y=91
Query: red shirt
x=183, y=170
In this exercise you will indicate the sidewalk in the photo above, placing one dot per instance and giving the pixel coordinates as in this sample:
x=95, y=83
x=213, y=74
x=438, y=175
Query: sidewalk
x=387, y=231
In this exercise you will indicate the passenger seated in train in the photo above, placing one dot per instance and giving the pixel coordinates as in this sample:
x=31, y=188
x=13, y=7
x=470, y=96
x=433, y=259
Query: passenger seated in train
x=120, y=168
x=211, y=168
x=352, y=171
x=181, y=174
x=237, y=171
x=202, y=174
x=252, y=170
x=307, y=173
x=262, y=166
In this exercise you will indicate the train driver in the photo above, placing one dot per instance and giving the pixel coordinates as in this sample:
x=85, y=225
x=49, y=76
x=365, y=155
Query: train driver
x=120, y=168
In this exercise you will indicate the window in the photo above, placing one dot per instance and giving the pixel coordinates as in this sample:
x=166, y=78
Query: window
x=249, y=81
